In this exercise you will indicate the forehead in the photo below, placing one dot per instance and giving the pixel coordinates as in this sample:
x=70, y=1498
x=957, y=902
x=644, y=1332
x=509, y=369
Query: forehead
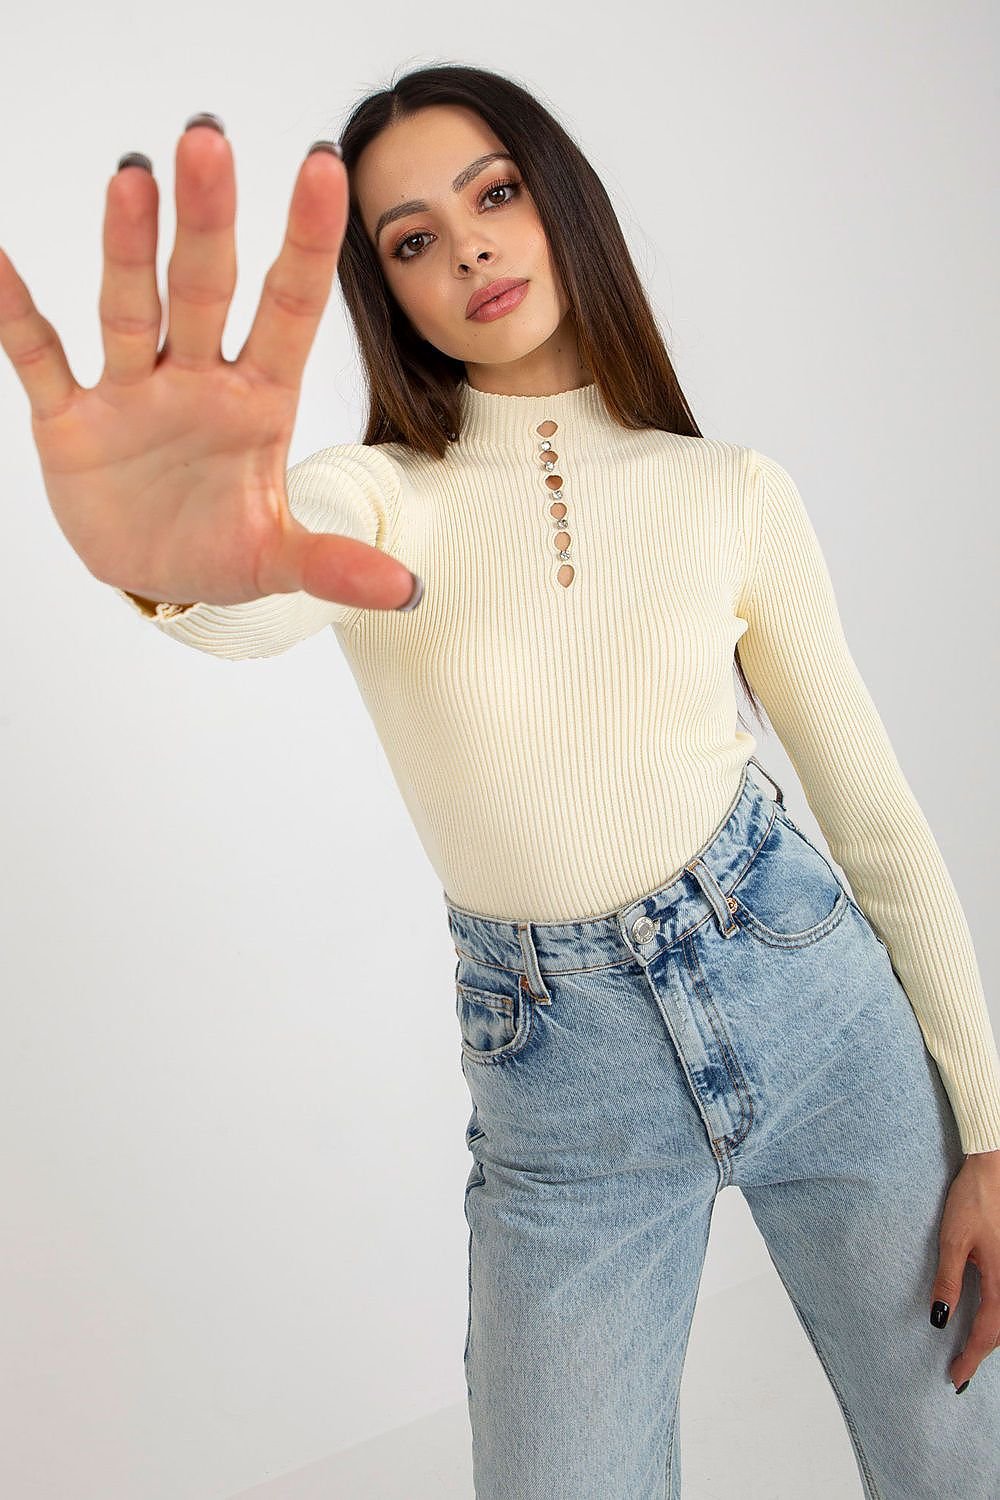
x=419, y=158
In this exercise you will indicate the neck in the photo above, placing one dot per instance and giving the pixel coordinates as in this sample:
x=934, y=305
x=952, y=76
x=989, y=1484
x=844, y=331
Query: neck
x=557, y=364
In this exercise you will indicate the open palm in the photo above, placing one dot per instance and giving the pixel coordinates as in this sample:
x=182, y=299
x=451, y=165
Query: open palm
x=168, y=476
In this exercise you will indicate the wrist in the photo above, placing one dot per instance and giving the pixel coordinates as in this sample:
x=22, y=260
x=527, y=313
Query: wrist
x=989, y=1160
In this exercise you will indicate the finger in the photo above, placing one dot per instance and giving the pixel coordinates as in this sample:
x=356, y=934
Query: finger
x=201, y=273
x=983, y=1340
x=335, y=567
x=298, y=283
x=129, y=304
x=948, y=1279
x=33, y=347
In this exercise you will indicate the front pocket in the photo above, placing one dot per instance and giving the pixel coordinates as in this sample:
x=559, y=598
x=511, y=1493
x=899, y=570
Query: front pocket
x=493, y=1009
x=790, y=895
x=492, y=1026
x=487, y=1021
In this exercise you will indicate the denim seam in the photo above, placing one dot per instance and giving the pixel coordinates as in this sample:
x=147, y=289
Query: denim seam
x=489, y=999
x=793, y=940
x=866, y=1472
x=619, y=963
x=734, y=1137
x=630, y=958
x=486, y=964
x=669, y=1493
x=510, y=1049
x=473, y=1183
x=584, y=969
x=755, y=850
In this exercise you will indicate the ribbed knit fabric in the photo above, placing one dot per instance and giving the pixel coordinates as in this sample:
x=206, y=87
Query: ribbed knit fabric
x=563, y=750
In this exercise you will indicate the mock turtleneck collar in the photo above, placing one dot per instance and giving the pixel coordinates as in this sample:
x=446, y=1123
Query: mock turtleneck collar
x=491, y=418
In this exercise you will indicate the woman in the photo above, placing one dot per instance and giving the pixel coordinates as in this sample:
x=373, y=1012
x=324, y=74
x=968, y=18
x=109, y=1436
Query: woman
x=663, y=988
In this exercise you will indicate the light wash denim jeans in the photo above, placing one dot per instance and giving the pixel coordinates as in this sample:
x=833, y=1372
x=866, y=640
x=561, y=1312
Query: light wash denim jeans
x=741, y=1026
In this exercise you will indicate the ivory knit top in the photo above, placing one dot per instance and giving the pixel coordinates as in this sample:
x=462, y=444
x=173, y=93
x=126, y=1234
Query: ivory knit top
x=565, y=747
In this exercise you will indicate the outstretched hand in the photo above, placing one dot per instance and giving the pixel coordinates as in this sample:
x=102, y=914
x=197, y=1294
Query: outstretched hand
x=970, y=1231
x=168, y=476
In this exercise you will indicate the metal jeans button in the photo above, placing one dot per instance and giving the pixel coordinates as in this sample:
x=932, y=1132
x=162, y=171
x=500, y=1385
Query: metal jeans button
x=643, y=930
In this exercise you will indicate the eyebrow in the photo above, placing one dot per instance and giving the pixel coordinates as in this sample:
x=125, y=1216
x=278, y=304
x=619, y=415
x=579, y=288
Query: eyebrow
x=420, y=205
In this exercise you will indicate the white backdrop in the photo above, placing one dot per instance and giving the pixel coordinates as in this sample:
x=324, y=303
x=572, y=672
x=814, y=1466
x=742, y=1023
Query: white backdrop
x=232, y=1154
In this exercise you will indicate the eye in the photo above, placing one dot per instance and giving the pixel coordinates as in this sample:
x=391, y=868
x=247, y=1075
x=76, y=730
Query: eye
x=494, y=187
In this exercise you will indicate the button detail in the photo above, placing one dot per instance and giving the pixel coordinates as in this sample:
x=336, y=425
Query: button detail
x=643, y=930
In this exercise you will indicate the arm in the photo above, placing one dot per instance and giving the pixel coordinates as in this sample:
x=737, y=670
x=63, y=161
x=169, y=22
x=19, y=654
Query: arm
x=348, y=488
x=798, y=661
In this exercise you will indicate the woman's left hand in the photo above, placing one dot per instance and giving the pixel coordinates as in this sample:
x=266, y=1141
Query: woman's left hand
x=970, y=1230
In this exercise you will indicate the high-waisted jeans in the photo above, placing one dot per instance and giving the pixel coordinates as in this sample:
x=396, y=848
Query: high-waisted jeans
x=741, y=1026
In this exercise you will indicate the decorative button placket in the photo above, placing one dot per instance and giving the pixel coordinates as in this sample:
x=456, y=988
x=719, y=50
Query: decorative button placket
x=553, y=484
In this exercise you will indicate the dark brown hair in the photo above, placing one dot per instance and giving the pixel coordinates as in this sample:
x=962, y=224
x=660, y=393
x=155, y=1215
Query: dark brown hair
x=412, y=385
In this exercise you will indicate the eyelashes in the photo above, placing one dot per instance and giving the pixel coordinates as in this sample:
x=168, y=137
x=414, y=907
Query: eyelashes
x=494, y=187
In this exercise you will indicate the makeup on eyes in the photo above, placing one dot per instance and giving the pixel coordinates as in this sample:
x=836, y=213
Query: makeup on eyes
x=504, y=182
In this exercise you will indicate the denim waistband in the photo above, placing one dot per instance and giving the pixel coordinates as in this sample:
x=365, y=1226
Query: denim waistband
x=641, y=928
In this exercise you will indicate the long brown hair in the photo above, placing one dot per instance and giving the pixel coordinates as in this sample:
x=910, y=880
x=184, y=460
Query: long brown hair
x=412, y=386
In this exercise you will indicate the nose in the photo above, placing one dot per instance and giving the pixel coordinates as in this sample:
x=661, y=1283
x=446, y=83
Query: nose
x=483, y=255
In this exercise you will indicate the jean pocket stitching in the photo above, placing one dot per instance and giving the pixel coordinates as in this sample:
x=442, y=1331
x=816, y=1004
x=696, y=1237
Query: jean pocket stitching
x=485, y=997
x=521, y=1033
x=766, y=934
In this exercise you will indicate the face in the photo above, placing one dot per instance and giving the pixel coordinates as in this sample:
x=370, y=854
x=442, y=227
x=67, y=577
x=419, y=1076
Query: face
x=465, y=237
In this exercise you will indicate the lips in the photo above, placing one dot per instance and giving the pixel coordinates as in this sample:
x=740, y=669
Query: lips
x=495, y=289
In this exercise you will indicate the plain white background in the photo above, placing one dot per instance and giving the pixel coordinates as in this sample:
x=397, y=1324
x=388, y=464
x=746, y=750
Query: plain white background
x=232, y=1158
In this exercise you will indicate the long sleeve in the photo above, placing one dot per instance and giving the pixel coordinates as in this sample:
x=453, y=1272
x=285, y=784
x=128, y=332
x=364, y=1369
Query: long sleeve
x=797, y=659
x=349, y=488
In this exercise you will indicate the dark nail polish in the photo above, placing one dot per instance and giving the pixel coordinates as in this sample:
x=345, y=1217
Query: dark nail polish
x=136, y=159
x=205, y=118
x=960, y=1388
x=939, y=1314
x=330, y=146
x=416, y=596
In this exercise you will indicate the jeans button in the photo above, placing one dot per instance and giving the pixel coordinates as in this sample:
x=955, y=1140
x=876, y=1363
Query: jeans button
x=643, y=930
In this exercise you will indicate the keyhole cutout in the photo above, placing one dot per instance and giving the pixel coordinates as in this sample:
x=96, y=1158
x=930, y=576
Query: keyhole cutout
x=557, y=510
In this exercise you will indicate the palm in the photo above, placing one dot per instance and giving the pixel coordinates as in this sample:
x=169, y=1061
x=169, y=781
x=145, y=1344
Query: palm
x=199, y=459
x=168, y=476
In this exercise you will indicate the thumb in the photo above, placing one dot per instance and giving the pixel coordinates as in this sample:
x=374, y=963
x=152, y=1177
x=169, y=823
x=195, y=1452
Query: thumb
x=339, y=568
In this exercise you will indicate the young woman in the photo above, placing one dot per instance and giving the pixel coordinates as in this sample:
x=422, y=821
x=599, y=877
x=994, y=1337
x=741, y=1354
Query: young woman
x=662, y=987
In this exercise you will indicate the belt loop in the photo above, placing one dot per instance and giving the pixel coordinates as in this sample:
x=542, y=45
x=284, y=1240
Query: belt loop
x=536, y=984
x=777, y=788
x=715, y=895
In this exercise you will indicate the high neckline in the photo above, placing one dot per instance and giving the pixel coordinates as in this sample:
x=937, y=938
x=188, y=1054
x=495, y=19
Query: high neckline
x=488, y=417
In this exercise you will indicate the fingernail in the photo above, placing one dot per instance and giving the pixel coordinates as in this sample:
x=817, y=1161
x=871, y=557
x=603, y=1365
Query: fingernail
x=416, y=596
x=939, y=1314
x=205, y=118
x=960, y=1388
x=135, y=159
x=330, y=146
